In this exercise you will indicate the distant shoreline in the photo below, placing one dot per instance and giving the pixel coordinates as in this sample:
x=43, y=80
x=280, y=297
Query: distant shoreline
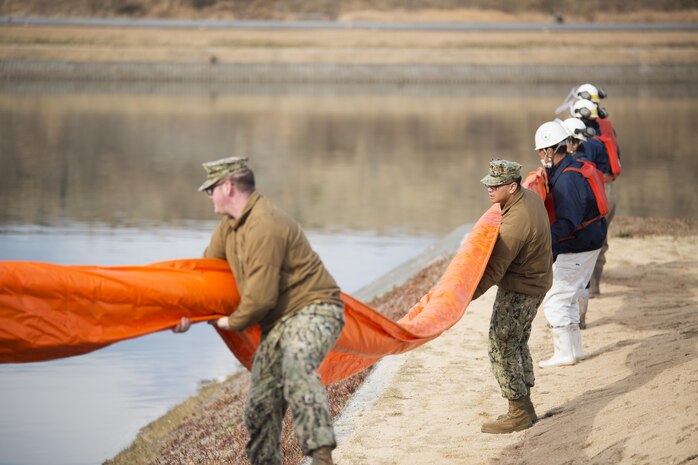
x=96, y=53
x=340, y=73
x=382, y=25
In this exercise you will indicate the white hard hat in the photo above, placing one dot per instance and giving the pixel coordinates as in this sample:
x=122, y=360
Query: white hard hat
x=576, y=128
x=585, y=109
x=588, y=92
x=550, y=134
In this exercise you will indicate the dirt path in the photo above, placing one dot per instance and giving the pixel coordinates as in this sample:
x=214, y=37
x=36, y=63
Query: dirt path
x=634, y=399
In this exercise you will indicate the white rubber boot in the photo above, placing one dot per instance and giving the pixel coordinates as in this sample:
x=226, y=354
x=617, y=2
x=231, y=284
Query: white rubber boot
x=562, y=345
x=583, y=306
x=577, y=343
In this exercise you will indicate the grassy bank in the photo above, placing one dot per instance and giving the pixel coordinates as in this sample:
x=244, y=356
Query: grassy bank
x=353, y=10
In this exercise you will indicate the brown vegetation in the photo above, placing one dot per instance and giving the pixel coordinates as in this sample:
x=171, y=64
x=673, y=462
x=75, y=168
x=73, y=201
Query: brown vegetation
x=221, y=46
x=439, y=10
x=635, y=226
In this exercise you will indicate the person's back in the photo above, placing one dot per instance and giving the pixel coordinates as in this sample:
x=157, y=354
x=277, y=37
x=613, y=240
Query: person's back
x=594, y=151
x=575, y=204
x=530, y=272
x=292, y=266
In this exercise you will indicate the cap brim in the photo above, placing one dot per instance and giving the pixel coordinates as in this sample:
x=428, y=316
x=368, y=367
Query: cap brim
x=493, y=181
x=490, y=181
x=208, y=183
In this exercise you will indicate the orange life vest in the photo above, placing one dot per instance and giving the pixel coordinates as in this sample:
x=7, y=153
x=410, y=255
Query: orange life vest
x=608, y=137
x=596, y=181
x=537, y=181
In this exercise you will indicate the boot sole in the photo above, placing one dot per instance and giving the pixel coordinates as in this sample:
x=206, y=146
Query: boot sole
x=533, y=422
x=515, y=430
x=558, y=365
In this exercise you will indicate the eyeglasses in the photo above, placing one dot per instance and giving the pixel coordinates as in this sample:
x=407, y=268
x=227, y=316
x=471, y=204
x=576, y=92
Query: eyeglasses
x=209, y=190
x=494, y=188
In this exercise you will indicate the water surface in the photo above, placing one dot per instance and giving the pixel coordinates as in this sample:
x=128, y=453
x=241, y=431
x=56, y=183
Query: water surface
x=82, y=410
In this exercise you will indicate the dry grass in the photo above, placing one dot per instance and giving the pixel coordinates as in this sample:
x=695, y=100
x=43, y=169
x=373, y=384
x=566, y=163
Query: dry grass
x=344, y=46
x=350, y=46
x=362, y=10
x=634, y=226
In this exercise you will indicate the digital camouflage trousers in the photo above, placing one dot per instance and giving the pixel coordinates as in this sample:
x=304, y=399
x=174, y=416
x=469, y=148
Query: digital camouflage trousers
x=510, y=328
x=284, y=375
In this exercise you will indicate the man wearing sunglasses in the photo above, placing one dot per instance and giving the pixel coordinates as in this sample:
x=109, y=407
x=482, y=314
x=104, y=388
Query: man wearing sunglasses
x=285, y=288
x=521, y=266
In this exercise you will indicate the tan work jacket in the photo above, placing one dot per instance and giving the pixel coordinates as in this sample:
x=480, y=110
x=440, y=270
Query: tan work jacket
x=276, y=270
x=522, y=258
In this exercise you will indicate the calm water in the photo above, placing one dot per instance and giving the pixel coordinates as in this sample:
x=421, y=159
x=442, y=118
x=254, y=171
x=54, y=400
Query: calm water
x=107, y=176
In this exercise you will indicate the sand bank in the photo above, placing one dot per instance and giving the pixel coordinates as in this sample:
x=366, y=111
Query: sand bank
x=633, y=400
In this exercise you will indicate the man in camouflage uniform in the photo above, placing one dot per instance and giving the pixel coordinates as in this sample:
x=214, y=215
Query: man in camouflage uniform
x=521, y=266
x=285, y=288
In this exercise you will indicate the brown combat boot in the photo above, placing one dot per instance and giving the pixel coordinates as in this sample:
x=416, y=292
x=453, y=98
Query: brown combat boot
x=529, y=408
x=528, y=405
x=322, y=456
x=517, y=419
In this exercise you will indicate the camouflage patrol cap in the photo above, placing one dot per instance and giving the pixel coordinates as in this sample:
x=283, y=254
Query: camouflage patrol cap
x=221, y=169
x=501, y=172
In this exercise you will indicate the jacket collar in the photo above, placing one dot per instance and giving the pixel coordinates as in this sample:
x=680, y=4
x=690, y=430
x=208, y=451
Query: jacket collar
x=235, y=223
x=556, y=170
x=515, y=197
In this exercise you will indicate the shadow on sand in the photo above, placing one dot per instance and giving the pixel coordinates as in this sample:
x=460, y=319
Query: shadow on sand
x=570, y=425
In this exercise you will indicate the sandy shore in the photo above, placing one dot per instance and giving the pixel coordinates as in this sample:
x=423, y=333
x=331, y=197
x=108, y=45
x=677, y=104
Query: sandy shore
x=633, y=400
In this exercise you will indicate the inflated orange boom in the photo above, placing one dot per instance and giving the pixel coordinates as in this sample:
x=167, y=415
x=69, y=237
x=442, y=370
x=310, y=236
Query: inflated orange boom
x=52, y=311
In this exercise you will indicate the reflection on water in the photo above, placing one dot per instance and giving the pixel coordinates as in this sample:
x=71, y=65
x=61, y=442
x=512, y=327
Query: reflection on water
x=382, y=163
x=109, y=178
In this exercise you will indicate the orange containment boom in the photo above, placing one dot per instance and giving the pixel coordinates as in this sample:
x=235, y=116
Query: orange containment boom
x=53, y=311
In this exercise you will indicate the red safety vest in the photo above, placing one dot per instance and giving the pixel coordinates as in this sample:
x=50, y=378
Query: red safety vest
x=608, y=137
x=596, y=181
x=537, y=181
